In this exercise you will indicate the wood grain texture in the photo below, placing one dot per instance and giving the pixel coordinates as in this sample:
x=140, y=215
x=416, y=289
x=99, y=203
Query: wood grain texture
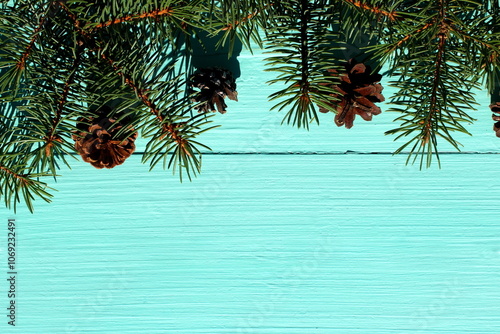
x=265, y=244
x=269, y=243
x=249, y=126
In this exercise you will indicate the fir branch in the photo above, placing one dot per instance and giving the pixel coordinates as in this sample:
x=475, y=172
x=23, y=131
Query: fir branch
x=21, y=64
x=156, y=14
x=20, y=177
x=306, y=44
x=475, y=39
x=428, y=125
x=413, y=34
x=235, y=24
x=392, y=15
x=69, y=82
x=77, y=23
x=52, y=136
x=436, y=81
x=169, y=129
x=436, y=113
x=17, y=183
x=305, y=16
x=238, y=20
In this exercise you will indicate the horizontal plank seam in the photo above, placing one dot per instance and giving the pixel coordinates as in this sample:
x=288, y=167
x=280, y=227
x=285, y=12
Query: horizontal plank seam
x=329, y=153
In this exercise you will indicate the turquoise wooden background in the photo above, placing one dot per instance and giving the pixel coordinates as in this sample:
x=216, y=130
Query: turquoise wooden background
x=286, y=232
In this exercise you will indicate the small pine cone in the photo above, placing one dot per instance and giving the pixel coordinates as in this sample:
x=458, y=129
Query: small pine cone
x=495, y=108
x=214, y=85
x=358, y=91
x=96, y=145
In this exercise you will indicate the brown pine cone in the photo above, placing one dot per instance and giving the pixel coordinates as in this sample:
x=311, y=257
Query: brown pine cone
x=358, y=91
x=96, y=145
x=495, y=108
x=214, y=85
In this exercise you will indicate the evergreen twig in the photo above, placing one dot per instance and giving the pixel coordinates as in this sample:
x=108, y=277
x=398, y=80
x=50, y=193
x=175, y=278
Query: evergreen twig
x=62, y=61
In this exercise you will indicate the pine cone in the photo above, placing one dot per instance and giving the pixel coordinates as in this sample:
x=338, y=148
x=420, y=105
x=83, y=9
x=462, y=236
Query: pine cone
x=96, y=145
x=357, y=91
x=214, y=85
x=495, y=108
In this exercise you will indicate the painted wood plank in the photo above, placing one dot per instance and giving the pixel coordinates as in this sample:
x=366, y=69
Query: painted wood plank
x=269, y=244
x=265, y=244
x=250, y=126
